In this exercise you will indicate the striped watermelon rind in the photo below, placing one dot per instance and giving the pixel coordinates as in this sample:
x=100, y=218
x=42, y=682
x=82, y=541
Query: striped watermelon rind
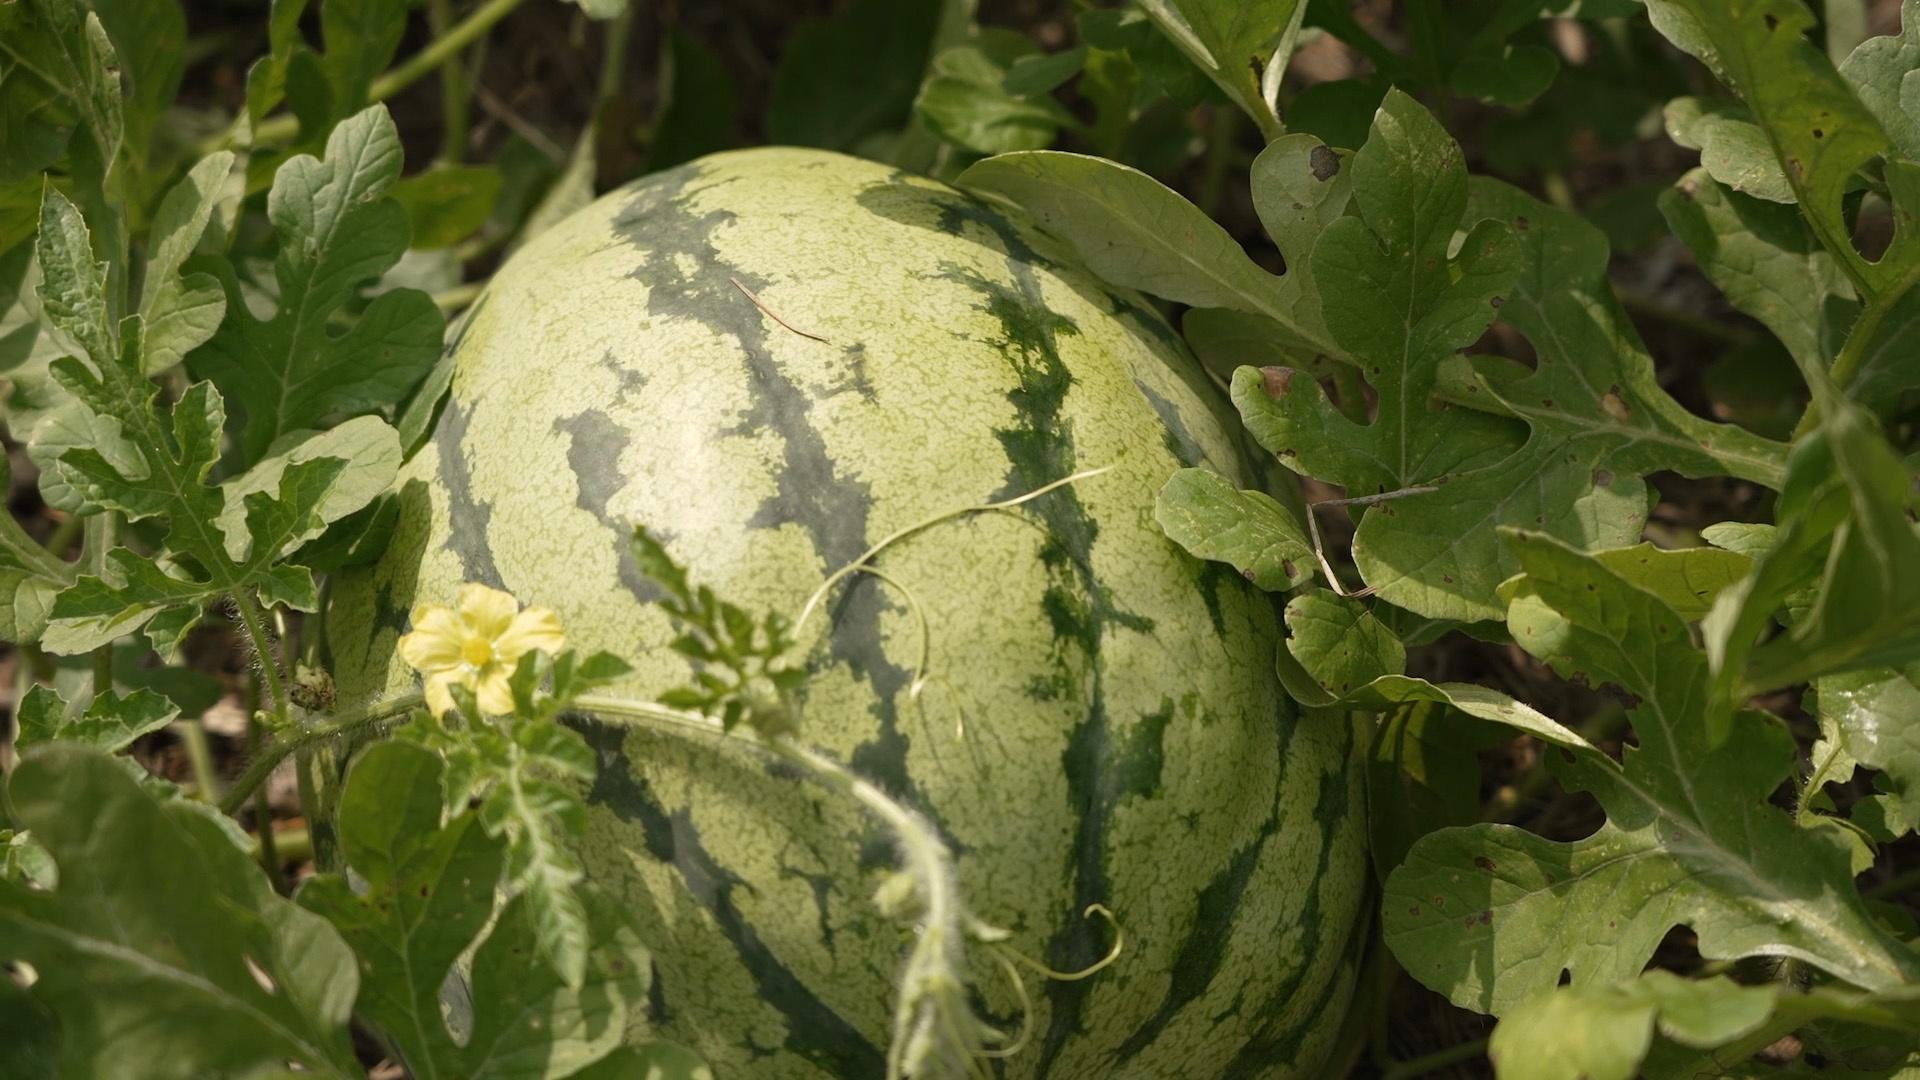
x=1101, y=722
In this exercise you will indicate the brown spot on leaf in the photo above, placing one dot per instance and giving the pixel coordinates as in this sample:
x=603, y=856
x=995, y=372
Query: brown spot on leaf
x=1484, y=863
x=1276, y=381
x=1324, y=163
x=1602, y=477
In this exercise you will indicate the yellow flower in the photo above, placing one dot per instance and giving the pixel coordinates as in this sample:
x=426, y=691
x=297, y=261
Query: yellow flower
x=476, y=644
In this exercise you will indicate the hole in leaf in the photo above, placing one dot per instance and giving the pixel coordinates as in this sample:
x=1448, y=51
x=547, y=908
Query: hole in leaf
x=1871, y=223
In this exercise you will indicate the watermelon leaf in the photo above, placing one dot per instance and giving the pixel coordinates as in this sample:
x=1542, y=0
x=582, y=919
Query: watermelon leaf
x=1690, y=837
x=338, y=228
x=1202, y=512
x=22, y=859
x=58, y=75
x=1869, y=717
x=1237, y=43
x=1593, y=416
x=849, y=76
x=1134, y=231
x=1819, y=130
x=1605, y=1032
x=164, y=951
x=1733, y=149
x=742, y=670
x=109, y=723
x=1771, y=265
x=1846, y=526
x=429, y=891
x=527, y=770
x=182, y=311
x=965, y=100
x=130, y=458
x=29, y=577
x=1336, y=647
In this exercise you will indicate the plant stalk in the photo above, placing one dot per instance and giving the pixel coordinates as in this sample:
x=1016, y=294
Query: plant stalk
x=206, y=783
x=278, y=129
x=1854, y=352
x=455, y=109
x=287, y=745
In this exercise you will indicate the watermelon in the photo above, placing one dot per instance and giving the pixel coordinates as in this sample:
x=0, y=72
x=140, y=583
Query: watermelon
x=772, y=358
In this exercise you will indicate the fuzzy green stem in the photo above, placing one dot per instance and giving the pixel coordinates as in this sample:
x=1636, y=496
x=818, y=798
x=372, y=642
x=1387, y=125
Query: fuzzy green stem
x=287, y=745
x=1434, y=1062
x=253, y=621
x=262, y=810
x=278, y=129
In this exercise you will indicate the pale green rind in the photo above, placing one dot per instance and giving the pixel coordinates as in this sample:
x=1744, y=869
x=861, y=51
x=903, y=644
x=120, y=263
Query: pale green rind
x=618, y=371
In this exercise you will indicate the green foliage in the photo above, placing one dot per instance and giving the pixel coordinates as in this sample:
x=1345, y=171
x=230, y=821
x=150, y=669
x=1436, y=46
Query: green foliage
x=428, y=894
x=1444, y=353
x=140, y=461
x=1202, y=512
x=1604, y=1033
x=525, y=772
x=846, y=77
x=743, y=671
x=337, y=227
x=1242, y=46
x=1690, y=838
x=972, y=98
x=110, y=722
x=163, y=951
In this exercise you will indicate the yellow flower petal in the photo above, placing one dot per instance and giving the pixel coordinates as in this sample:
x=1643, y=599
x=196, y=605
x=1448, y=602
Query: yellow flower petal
x=486, y=612
x=434, y=642
x=534, y=628
x=439, y=700
x=491, y=687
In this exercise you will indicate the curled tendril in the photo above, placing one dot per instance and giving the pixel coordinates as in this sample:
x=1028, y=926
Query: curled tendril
x=864, y=565
x=1113, y=954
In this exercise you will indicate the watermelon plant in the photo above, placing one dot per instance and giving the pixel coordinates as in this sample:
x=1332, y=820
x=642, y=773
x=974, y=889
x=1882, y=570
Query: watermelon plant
x=1146, y=541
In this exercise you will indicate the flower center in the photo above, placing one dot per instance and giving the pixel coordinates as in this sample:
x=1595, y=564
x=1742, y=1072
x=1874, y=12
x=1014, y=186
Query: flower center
x=477, y=651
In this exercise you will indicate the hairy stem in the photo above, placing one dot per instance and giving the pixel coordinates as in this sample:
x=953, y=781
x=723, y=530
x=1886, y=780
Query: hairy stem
x=253, y=621
x=288, y=744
